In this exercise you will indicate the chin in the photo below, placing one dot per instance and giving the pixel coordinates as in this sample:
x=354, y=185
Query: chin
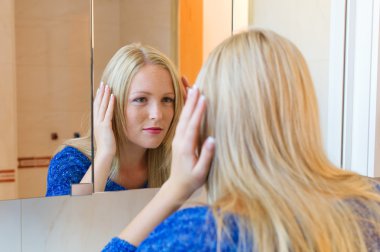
x=151, y=145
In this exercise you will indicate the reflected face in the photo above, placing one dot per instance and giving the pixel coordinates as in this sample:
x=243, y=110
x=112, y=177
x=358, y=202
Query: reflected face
x=149, y=106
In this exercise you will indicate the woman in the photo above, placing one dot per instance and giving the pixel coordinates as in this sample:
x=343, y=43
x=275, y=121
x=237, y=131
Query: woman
x=270, y=185
x=136, y=111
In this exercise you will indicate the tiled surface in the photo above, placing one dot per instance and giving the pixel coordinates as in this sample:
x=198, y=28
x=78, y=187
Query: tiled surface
x=88, y=222
x=10, y=228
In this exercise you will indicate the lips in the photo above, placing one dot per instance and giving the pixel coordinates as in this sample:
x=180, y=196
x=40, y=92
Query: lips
x=153, y=130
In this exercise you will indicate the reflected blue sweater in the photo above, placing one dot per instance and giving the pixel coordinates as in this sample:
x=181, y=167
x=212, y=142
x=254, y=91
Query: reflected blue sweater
x=194, y=229
x=68, y=167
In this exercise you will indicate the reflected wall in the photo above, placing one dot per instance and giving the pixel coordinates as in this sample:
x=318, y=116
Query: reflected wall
x=45, y=69
x=8, y=114
x=121, y=22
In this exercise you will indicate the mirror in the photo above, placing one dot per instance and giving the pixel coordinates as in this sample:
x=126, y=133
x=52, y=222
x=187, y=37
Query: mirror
x=45, y=69
x=184, y=30
x=41, y=116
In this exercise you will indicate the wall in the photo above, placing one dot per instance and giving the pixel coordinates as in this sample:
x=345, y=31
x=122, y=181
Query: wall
x=8, y=114
x=217, y=25
x=307, y=24
x=361, y=128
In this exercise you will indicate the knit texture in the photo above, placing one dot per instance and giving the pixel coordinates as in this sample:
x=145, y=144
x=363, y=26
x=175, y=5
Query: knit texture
x=68, y=167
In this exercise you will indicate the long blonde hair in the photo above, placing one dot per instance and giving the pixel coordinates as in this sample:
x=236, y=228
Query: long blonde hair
x=269, y=166
x=118, y=74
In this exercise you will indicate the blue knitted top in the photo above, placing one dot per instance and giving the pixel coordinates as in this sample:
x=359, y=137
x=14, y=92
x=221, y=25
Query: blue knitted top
x=68, y=167
x=194, y=229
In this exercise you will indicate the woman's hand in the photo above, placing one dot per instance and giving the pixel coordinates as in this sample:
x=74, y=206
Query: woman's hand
x=103, y=111
x=104, y=137
x=189, y=170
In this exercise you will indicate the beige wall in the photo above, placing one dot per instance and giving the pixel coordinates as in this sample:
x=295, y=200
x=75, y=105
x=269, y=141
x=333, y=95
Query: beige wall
x=8, y=114
x=53, y=79
x=307, y=24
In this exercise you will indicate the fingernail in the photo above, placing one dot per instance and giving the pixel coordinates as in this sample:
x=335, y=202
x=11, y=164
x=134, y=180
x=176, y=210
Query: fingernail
x=101, y=84
x=210, y=142
x=190, y=91
x=202, y=98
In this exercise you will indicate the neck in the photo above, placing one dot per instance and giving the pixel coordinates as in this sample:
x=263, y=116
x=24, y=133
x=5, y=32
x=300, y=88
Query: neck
x=132, y=157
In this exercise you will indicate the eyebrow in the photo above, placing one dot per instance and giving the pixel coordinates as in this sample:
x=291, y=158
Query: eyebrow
x=148, y=93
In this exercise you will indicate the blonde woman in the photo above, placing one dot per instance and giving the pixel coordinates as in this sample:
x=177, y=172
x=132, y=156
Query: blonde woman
x=270, y=185
x=136, y=110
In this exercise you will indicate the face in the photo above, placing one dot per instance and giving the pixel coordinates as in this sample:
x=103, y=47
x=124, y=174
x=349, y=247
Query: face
x=149, y=106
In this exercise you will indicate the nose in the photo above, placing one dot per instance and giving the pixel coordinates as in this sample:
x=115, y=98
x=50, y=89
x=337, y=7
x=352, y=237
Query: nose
x=155, y=111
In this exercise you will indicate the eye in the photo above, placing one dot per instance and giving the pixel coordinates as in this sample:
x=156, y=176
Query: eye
x=168, y=100
x=139, y=100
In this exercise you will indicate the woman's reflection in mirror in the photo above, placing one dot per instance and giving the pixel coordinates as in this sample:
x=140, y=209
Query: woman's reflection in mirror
x=136, y=110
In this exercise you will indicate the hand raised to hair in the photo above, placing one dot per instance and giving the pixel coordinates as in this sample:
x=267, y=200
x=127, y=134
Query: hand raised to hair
x=189, y=170
x=185, y=84
x=103, y=111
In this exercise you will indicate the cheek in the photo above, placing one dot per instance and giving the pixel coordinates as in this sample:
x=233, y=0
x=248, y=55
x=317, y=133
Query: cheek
x=133, y=115
x=169, y=114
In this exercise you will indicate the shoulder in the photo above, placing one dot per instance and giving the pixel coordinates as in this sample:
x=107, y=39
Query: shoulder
x=187, y=229
x=70, y=156
x=70, y=153
x=68, y=160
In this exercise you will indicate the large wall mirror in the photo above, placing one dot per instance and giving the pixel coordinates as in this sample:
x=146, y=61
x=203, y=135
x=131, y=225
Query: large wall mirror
x=45, y=88
x=46, y=64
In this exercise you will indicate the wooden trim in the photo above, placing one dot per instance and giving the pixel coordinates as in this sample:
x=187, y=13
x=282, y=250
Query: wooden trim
x=33, y=158
x=7, y=180
x=7, y=175
x=33, y=162
x=7, y=171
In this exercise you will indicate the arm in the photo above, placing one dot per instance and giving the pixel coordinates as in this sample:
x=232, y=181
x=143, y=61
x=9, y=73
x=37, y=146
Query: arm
x=105, y=139
x=188, y=172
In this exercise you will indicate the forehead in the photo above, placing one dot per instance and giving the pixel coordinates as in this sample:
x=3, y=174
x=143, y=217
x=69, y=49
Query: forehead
x=151, y=78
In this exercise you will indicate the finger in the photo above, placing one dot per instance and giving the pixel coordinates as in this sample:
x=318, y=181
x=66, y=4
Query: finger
x=109, y=112
x=186, y=86
x=187, y=110
x=202, y=167
x=98, y=99
x=193, y=128
x=185, y=82
x=104, y=103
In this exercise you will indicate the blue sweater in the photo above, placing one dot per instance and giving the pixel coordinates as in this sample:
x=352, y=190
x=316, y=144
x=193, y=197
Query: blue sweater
x=194, y=229
x=68, y=167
